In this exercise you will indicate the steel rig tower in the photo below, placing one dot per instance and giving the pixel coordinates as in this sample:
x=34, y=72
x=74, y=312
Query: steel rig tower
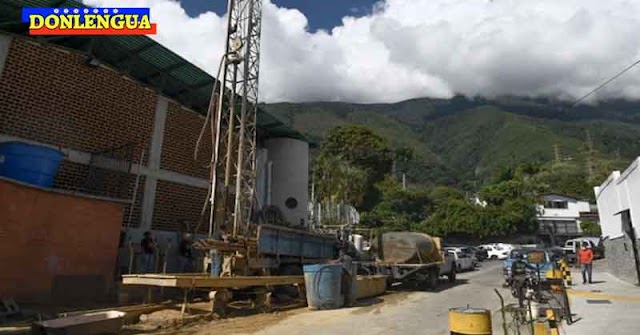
x=233, y=175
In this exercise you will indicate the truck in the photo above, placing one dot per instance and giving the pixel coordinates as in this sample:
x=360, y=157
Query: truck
x=410, y=258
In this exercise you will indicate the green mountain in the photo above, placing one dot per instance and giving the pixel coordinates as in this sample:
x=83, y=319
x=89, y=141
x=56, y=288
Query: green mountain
x=461, y=140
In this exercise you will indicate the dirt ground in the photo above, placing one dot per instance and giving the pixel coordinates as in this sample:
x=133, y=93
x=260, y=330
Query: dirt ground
x=243, y=320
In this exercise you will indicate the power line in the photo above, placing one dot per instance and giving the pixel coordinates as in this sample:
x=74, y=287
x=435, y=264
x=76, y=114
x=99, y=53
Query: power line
x=605, y=83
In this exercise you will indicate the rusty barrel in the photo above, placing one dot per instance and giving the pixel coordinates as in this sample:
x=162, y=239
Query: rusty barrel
x=469, y=321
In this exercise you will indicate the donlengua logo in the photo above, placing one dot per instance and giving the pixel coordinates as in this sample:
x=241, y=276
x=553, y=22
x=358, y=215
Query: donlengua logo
x=89, y=21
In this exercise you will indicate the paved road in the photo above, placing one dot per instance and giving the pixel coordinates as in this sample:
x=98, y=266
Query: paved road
x=403, y=313
x=609, y=306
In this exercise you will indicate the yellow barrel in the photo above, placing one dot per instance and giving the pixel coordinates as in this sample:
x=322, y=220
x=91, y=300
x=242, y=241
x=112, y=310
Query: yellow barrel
x=469, y=321
x=541, y=328
x=553, y=322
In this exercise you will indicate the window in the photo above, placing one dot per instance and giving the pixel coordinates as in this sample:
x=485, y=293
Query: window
x=556, y=204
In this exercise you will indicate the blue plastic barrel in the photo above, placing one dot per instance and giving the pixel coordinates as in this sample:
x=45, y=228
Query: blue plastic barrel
x=324, y=286
x=28, y=163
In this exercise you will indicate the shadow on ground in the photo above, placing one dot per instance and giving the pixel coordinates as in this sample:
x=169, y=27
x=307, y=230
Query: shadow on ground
x=442, y=286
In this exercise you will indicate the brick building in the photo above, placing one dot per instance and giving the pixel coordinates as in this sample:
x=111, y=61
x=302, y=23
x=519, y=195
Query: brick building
x=127, y=112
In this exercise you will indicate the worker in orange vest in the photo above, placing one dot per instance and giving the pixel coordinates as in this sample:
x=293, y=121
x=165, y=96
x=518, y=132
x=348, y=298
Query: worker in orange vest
x=585, y=256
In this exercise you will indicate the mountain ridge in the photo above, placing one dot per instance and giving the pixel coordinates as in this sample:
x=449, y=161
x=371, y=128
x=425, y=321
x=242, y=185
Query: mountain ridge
x=462, y=139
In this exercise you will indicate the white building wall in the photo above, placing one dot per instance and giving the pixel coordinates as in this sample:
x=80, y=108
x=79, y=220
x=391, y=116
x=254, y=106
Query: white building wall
x=629, y=195
x=608, y=204
x=290, y=177
x=574, y=207
x=619, y=192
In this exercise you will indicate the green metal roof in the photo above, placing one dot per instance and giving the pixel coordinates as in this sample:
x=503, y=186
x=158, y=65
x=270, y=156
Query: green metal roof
x=141, y=58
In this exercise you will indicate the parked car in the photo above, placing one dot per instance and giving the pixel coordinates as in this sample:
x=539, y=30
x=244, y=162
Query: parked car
x=550, y=256
x=464, y=259
x=572, y=246
x=481, y=254
x=495, y=251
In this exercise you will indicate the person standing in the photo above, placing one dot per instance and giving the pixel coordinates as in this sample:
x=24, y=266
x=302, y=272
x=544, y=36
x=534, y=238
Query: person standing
x=148, y=252
x=186, y=254
x=216, y=255
x=585, y=256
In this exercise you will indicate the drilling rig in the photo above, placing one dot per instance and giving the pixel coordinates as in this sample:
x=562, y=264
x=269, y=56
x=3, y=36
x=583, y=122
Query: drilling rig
x=234, y=151
x=233, y=114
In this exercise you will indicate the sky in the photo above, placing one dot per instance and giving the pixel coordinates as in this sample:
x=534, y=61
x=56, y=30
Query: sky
x=321, y=14
x=370, y=52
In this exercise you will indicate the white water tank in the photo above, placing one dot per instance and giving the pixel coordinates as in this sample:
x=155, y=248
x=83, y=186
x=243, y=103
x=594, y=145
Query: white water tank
x=289, y=186
x=358, y=241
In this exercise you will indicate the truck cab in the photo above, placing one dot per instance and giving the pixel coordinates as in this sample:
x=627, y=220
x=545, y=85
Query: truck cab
x=464, y=260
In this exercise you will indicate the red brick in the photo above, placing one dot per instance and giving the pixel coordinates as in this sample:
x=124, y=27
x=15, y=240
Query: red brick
x=51, y=96
x=45, y=234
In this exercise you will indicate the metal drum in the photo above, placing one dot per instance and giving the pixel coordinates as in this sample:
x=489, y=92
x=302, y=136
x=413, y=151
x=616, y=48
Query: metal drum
x=469, y=321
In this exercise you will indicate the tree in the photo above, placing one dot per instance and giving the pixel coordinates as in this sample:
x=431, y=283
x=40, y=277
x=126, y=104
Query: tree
x=590, y=228
x=398, y=209
x=339, y=182
x=361, y=149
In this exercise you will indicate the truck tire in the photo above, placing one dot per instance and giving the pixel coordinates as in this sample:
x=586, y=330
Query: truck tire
x=432, y=280
x=452, y=275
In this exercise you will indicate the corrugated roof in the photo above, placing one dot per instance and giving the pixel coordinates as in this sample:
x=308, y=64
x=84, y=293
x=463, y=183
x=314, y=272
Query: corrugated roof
x=141, y=58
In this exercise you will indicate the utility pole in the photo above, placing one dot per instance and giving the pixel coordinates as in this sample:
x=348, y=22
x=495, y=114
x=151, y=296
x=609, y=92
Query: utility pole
x=590, y=163
x=556, y=153
x=404, y=181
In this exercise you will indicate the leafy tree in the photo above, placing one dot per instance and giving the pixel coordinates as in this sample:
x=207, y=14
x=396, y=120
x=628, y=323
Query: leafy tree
x=441, y=195
x=339, y=182
x=399, y=209
x=362, y=149
x=590, y=228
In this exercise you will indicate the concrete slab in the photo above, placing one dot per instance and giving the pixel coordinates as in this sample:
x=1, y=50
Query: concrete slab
x=608, y=306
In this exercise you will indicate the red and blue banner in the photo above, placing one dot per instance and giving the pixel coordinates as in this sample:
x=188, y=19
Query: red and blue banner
x=89, y=21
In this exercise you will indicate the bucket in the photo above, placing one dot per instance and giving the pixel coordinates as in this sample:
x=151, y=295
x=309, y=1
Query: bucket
x=323, y=285
x=469, y=321
x=28, y=163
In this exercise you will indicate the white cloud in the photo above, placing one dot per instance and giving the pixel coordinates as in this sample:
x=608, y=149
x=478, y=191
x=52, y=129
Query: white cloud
x=417, y=48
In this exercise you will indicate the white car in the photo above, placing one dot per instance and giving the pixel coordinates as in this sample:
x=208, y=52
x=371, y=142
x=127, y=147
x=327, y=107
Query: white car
x=464, y=261
x=496, y=251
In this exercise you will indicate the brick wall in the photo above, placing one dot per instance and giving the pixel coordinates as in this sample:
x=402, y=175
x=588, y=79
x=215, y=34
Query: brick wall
x=51, y=96
x=50, y=241
x=181, y=133
x=174, y=203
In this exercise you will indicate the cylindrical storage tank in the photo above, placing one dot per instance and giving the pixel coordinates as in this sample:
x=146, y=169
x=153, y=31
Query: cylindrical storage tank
x=28, y=163
x=410, y=248
x=358, y=241
x=290, y=178
x=323, y=283
x=469, y=321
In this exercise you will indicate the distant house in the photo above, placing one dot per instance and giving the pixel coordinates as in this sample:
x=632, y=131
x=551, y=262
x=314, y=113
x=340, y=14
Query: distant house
x=559, y=217
x=618, y=199
x=478, y=202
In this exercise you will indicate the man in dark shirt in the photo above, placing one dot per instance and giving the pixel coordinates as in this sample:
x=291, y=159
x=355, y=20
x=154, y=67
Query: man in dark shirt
x=186, y=254
x=148, y=251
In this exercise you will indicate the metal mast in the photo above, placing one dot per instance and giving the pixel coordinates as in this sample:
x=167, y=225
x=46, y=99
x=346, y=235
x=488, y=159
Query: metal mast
x=234, y=156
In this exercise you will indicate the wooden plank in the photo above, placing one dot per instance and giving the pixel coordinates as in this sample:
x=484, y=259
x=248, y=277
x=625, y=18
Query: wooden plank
x=204, y=281
x=163, y=282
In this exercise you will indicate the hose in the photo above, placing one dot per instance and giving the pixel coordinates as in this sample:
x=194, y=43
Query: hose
x=198, y=141
x=211, y=105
